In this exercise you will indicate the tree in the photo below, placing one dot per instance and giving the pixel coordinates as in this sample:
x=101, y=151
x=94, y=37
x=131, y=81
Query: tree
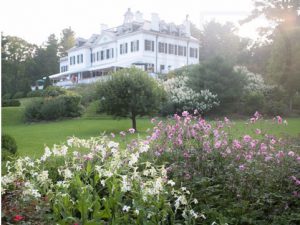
x=217, y=40
x=67, y=41
x=219, y=77
x=130, y=93
x=282, y=66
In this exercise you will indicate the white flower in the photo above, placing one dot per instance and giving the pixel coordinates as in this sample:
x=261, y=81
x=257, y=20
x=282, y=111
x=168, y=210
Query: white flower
x=195, y=201
x=137, y=212
x=67, y=173
x=113, y=144
x=172, y=183
x=133, y=158
x=144, y=147
x=125, y=184
x=43, y=176
x=126, y=208
x=193, y=214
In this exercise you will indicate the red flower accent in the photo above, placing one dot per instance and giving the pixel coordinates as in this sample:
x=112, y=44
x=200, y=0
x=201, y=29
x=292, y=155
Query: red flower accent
x=18, y=218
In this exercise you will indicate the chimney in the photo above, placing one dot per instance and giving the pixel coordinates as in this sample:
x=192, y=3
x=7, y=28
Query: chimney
x=187, y=26
x=103, y=27
x=139, y=17
x=155, y=22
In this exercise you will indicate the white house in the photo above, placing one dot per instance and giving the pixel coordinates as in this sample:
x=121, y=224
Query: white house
x=154, y=46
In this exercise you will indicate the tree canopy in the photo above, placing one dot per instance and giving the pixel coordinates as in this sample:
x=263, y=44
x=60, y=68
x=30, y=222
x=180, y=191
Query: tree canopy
x=130, y=93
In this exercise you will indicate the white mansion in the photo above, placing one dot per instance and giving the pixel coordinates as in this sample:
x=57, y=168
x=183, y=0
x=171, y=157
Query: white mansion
x=154, y=46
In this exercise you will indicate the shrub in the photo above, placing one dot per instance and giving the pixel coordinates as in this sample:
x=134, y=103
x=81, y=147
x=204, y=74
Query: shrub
x=105, y=185
x=11, y=103
x=53, y=91
x=36, y=93
x=88, y=92
x=9, y=144
x=19, y=94
x=253, y=102
x=7, y=96
x=52, y=108
x=33, y=110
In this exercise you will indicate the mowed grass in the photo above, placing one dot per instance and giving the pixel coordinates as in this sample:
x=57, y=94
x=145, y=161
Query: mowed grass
x=32, y=137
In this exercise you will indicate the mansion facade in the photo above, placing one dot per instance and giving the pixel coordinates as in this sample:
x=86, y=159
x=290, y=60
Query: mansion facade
x=154, y=46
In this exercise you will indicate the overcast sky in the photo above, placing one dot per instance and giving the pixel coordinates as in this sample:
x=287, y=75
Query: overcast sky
x=35, y=20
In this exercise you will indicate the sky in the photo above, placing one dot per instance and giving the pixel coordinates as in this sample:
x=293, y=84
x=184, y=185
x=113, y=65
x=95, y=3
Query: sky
x=35, y=20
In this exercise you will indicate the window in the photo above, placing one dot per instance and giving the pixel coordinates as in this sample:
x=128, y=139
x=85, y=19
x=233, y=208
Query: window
x=123, y=48
x=180, y=50
x=71, y=62
x=107, y=54
x=175, y=49
x=161, y=47
x=112, y=52
x=166, y=48
x=171, y=49
x=98, y=56
x=194, y=52
x=184, y=51
x=134, y=46
x=149, y=45
x=81, y=57
x=102, y=55
x=77, y=59
x=162, y=67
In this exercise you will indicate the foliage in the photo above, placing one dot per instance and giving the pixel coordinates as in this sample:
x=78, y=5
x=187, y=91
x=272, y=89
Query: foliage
x=254, y=101
x=87, y=91
x=105, y=184
x=130, y=93
x=217, y=40
x=19, y=94
x=251, y=179
x=51, y=108
x=7, y=96
x=10, y=102
x=67, y=41
x=184, y=98
x=8, y=143
x=36, y=93
x=54, y=91
x=220, y=78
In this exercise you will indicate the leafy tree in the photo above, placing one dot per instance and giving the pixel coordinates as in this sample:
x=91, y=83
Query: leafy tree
x=130, y=93
x=219, y=77
x=282, y=68
x=67, y=41
x=217, y=40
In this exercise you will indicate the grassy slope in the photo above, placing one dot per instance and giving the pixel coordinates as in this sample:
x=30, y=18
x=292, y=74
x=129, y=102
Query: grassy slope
x=31, y=138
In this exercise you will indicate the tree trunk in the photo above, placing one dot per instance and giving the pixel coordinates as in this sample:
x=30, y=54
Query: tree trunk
x=133, y=118
x=291, y=104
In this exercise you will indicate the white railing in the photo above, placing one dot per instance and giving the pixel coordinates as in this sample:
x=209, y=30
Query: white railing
x=69, y=83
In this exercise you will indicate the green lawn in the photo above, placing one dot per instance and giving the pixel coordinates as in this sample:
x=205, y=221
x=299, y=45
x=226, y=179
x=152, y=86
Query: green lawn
x=32, y=137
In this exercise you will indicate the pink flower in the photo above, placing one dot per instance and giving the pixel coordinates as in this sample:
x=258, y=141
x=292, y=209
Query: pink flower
x=122, y=133
x=253, y=120
x=247, y=138
x=279, y=119
x=131, y=130
x=253, y=144
x=18, y=218
x=280, y=154
x=257, y=115
x=185, y=113
x=263, y=147
x=153, y=120
x=218, y=144
x=268, y=158
x=112, y=135
x=273, y=141
x=291, y=153
x=236, y=144
x=226, y=120
x=195, y=112
x=258, y=131
x=242, y=167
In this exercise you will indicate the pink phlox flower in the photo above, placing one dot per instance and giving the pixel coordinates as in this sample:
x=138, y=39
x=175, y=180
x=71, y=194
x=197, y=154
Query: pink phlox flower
x=263, y=147
x=236, y=144
x=176, y=117
x=226, y=120
x=258, y=131
x=112, y=135
x=253, y=120
x=122, y=133
x=268, y=158
x=279, y=119
x=131, y=130
x=153, y=120
x=257, y=115
x=206, y=146
x=218, y=144
x=247, y=138
x=280, y=154
x=186, y=155
x=242, y=167
x=273, y=141
x=291, y=153
x=253, y=144
x=185, y=113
